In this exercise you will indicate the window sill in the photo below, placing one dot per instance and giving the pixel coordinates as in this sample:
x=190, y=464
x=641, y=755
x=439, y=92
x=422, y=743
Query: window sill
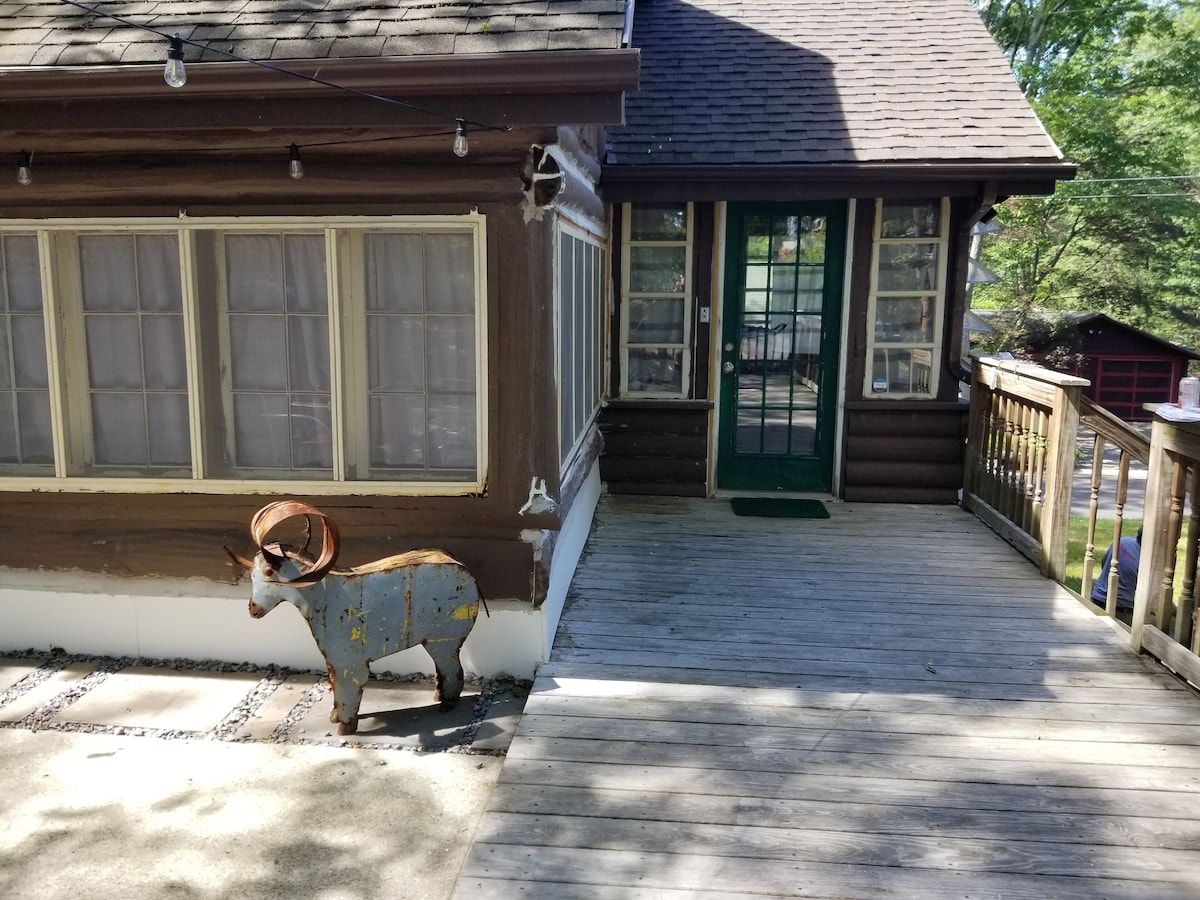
x=256, y=488
x=657, y=403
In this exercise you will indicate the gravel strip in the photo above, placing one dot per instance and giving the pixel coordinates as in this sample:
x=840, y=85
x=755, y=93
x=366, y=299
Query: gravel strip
x=43, y=718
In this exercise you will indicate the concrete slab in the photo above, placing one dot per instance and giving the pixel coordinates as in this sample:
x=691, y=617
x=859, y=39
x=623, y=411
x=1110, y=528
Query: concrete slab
x=495, y=733
x=13, y=670
x=45, y=691
x=143, y=697
x=394, y=713
x=97, y=816
x=275, y=708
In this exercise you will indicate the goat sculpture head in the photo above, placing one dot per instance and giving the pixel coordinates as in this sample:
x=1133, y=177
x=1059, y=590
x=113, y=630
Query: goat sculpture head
x=278, y=571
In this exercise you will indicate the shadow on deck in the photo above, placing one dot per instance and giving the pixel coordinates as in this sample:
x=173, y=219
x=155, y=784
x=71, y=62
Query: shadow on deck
x=890, y=701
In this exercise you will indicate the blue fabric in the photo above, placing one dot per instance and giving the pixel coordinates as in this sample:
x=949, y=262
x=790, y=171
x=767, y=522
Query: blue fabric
x=1127, y=571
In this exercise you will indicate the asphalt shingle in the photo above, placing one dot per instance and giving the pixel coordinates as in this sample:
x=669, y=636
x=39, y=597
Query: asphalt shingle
x=52, y=33
x=822, y=81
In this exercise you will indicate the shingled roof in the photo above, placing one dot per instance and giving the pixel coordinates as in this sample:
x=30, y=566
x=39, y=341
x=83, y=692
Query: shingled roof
x=786, y=82
x=53, y=33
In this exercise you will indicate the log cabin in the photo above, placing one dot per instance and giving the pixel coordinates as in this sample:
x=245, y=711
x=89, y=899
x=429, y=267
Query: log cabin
x=447, y=271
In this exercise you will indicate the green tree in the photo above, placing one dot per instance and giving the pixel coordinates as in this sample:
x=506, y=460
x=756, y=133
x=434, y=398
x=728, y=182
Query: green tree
x=1115, y=82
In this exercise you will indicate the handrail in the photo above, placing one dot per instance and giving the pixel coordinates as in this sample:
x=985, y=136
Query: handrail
x=1021, y=454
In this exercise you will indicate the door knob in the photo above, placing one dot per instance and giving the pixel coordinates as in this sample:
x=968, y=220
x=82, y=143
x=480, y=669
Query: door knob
x=727, y=368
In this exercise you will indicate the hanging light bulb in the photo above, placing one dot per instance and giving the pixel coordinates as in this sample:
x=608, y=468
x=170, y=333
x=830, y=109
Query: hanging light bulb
x=24, y=168
x=460, y=138
x=295, y=167
x=174, y=74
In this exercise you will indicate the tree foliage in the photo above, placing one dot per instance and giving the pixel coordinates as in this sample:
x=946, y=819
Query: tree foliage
x=1117, y=85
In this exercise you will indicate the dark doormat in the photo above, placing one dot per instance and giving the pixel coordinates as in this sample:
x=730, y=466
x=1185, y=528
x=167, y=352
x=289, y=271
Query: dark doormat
x=779, y=508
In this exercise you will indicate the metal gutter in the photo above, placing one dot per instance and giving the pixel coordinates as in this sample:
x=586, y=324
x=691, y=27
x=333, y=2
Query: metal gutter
x=518, y=72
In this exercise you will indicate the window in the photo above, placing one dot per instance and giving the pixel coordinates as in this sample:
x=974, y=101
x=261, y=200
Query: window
x=206, y=355
x=581, y=311
x=907, y=299
x=656, y=291
x=26, y=437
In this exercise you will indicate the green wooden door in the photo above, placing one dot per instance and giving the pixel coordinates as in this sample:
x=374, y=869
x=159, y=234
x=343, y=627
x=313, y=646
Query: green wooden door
x=779, y=345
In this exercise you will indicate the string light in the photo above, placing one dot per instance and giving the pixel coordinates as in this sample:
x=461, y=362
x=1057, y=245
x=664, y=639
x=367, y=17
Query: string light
x=295, y=167
x=174, y=74
x=460, y=138
x=24, y=168
x=175, y=62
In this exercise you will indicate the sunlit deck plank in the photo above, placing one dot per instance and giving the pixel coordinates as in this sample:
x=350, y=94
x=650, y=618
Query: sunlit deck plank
x=890, y=701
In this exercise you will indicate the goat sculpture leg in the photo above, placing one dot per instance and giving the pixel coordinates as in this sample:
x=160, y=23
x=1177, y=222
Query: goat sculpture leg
x=447, y=668
x=347, y=682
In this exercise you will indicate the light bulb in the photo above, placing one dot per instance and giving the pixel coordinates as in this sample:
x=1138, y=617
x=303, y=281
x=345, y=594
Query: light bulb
x=295, y=167
x=174, y=74
x=460, y=138
x=24, y=170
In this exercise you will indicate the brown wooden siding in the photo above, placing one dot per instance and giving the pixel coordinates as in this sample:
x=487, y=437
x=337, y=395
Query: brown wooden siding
x=655, y=447
x=904, y=451
x=181, y=535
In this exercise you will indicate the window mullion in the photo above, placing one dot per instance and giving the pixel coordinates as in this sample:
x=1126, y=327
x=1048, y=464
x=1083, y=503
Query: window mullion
x=337, y=380
x=52, y=318
x=191, y=340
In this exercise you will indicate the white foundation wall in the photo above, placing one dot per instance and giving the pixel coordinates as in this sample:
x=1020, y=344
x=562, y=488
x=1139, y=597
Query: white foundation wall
x=202, y=620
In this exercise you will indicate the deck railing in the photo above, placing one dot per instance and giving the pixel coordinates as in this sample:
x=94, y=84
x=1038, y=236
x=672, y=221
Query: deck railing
x=1165, y=606
x=1021, y=456
x=1021, y=449
x=1133, y=448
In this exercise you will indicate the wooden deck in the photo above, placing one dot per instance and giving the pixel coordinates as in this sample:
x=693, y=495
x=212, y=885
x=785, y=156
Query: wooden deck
x=887, y=703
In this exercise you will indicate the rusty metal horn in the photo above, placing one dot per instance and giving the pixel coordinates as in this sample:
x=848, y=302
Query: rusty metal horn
x=238, y=560
x=278, y=511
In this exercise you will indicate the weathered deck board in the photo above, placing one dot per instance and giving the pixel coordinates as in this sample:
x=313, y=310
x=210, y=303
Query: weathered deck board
x=890, y=702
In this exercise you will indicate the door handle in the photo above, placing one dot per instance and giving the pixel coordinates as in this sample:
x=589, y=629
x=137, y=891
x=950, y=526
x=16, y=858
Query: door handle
x=727, y=368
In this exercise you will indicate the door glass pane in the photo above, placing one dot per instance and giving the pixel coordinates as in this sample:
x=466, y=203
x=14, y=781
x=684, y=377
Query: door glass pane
x=657, y=270
x=908, y=267
x=658, y=222
x=778, y=367
x=656, y=321
x=904, y=319
x=655, y=370
x=904, y=371
x=911, y=219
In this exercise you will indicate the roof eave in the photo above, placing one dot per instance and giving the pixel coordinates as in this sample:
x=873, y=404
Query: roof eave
x=532, y=72
x=760, y=182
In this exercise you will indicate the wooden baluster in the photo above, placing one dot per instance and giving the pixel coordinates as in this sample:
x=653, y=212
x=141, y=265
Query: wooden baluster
x=1165, y=611
x=988, y=487
x=1114, y=567
x=1042, y=442
x=1021, y=476
x=1010, y=460
x=1184, y=621
x=1089, y=553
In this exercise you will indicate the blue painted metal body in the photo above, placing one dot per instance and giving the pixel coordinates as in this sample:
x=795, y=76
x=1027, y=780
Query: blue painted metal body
x=359, y=615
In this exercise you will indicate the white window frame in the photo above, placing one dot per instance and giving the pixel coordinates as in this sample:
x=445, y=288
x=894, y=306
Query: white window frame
x=937, y=295
x=687, y=295
x=580, y=402
x=61, y=303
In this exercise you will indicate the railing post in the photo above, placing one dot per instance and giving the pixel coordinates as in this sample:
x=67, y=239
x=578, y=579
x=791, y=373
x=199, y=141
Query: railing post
x=1154, y=524
x=1060, y=468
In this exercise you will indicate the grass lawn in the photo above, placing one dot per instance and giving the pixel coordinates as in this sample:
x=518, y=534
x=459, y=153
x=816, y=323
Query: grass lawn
x=1077, y=546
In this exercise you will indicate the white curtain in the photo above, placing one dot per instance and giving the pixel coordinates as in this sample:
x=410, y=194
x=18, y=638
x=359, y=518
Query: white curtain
x=421, y=351
x=133, y=329
x=279, y=351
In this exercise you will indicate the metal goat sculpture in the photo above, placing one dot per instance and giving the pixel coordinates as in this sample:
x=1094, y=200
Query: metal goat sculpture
x=362, y=614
